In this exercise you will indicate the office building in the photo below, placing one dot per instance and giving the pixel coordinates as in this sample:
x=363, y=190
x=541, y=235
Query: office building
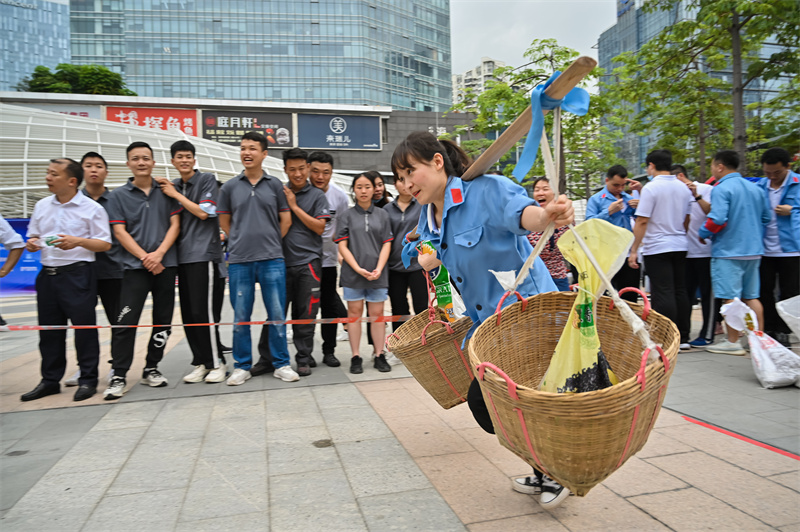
x=32, y=33
x=350, y=52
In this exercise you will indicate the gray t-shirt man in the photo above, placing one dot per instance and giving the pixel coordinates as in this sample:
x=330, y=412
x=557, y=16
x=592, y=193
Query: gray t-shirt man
x=146, y=218
x=255, y=233
x=199, y=239
x=301, y=245
x=337, y=206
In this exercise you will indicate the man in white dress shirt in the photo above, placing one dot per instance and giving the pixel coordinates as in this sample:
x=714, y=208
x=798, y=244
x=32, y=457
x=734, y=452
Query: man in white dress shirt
x=68, y=228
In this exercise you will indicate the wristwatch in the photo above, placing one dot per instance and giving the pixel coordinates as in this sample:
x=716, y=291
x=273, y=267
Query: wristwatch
x=698, y=197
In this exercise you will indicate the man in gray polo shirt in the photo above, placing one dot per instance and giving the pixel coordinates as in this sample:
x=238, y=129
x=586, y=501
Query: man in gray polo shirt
x=302, y=249
x=146, y=222
x=199, y=260
x=253, y=211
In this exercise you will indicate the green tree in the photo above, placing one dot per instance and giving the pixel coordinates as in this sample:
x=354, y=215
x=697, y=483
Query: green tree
x=672, y=80
x=587, y=147
x=75, y=79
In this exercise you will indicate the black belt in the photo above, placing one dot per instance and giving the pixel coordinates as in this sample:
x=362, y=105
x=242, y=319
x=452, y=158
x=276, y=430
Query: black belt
x=55, y=270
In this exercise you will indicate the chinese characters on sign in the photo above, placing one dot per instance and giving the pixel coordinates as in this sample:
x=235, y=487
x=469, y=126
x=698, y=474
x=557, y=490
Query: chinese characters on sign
x=339, y=131
x=166, y=119
x=228, y=127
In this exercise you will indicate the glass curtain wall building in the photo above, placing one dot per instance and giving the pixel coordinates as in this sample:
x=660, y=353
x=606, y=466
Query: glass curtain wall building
x=355, y=52
x=32, y=33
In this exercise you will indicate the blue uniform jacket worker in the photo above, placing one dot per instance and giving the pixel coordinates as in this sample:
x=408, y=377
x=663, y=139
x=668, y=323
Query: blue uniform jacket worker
x=788, y=226
x=735, y=227
x=597, y=207
x=480, y=232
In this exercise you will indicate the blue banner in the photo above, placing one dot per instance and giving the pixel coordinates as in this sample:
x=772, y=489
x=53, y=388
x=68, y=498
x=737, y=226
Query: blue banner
x=342, y=132
x=22, y=279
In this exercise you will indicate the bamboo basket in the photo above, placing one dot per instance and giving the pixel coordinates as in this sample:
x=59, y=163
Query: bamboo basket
x=430, y=347
x=577, y=439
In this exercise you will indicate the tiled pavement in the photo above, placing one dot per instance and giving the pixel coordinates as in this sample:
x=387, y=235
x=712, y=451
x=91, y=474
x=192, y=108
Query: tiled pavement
x=335, y=452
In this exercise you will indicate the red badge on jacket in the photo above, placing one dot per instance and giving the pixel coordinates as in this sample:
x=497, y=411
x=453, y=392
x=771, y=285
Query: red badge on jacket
x=456, y=195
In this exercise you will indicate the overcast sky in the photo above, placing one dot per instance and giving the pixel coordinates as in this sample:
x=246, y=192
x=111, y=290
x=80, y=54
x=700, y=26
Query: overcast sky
x=503, y=29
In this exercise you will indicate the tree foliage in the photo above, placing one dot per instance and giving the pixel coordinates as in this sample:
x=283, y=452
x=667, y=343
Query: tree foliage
x=588, y=147
x=75, y=79
x=675, y=83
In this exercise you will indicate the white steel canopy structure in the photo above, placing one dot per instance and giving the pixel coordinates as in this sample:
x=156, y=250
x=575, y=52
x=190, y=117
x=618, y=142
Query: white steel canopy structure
x=29, y=138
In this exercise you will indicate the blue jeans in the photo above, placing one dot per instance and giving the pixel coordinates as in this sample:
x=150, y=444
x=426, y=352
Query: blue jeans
x=271, y=275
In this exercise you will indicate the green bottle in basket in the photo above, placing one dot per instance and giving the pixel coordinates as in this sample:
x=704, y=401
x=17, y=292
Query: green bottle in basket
x=440, y=278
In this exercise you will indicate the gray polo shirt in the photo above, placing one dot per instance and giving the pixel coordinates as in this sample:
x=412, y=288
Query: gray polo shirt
x=146, y=218
x=365, y=233
x=108, y=264
x=199, y=239
x=337, y=206
x=402, y=223
x=255, y=225
x=301, y=245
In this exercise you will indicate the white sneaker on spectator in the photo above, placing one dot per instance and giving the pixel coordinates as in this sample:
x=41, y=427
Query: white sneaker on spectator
x=393, y=360
x=73, y=381
x=727, y=348
x=289, y=333
x=238, y=377
x=286, y=374
x=217, y=374
x=342, y=337
x=153, y=377
x=197, y=375
x=553, y=493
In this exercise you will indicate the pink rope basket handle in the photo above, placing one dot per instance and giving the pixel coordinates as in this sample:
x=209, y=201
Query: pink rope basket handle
x=499, y=309
x=645, y=310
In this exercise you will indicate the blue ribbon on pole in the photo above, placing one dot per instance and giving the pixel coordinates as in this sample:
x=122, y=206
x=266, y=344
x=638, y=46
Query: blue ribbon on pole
x=575, y=102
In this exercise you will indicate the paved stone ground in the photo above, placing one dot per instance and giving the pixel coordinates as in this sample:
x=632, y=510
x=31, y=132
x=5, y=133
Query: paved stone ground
x=336, y=452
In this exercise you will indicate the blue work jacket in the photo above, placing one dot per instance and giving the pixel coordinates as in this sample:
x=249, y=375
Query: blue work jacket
x=481, y=231
x=597, y=207
x=788, y=226
x=739, y=213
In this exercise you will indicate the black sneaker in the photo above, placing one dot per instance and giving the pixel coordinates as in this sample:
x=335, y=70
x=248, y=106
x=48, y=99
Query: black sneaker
x=356, y=365
x=381, y=364
x=331, y=360
x=311, y=362
x=262, y=367
x=553, y=493
x=527, y=485
x=304, y=370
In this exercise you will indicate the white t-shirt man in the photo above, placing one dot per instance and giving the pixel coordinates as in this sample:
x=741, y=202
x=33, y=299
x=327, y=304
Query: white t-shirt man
x=666, y=202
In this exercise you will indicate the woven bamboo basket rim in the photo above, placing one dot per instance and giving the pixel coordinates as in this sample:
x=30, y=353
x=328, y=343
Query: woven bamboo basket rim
x=411, y=331
x=652, y=369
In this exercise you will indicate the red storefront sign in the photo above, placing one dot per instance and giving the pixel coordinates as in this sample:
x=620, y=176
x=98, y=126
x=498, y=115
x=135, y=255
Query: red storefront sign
x=167, y=119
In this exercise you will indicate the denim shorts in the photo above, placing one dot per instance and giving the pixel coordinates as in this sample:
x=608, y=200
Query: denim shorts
x=732, y=278
x=372, y=295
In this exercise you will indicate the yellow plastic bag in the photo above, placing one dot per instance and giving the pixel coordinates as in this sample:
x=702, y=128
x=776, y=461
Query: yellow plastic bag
x=579, y=364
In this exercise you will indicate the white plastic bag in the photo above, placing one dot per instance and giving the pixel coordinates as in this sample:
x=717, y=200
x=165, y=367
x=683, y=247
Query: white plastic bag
x=774, y=364
x=789, y=310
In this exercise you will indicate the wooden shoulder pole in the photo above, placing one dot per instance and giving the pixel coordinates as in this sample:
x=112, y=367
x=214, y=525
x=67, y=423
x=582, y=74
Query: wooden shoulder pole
x=560, y=87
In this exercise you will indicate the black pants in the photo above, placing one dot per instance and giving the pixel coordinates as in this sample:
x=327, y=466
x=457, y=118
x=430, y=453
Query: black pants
x=667, y=272
x=303, y=293
x=198, y=283
x=626, y=277
x=332, y=307
x=108, y=290
x=786, y=271
x=698, y=276
x=135, y=286
x=218, y=297
x=400, y=282
x=69, y=296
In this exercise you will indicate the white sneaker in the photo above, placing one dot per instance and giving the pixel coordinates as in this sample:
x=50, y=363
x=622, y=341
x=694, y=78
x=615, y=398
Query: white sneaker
x=73, y=381
x=686, y=346
x=153, y=377
x=342, y=337
x=392, y=360
x=115, y=390
x=197, y=375
x=727, y=348
x=217, y=374
x=286, y=374
x=238, y=377
x=289, y=333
